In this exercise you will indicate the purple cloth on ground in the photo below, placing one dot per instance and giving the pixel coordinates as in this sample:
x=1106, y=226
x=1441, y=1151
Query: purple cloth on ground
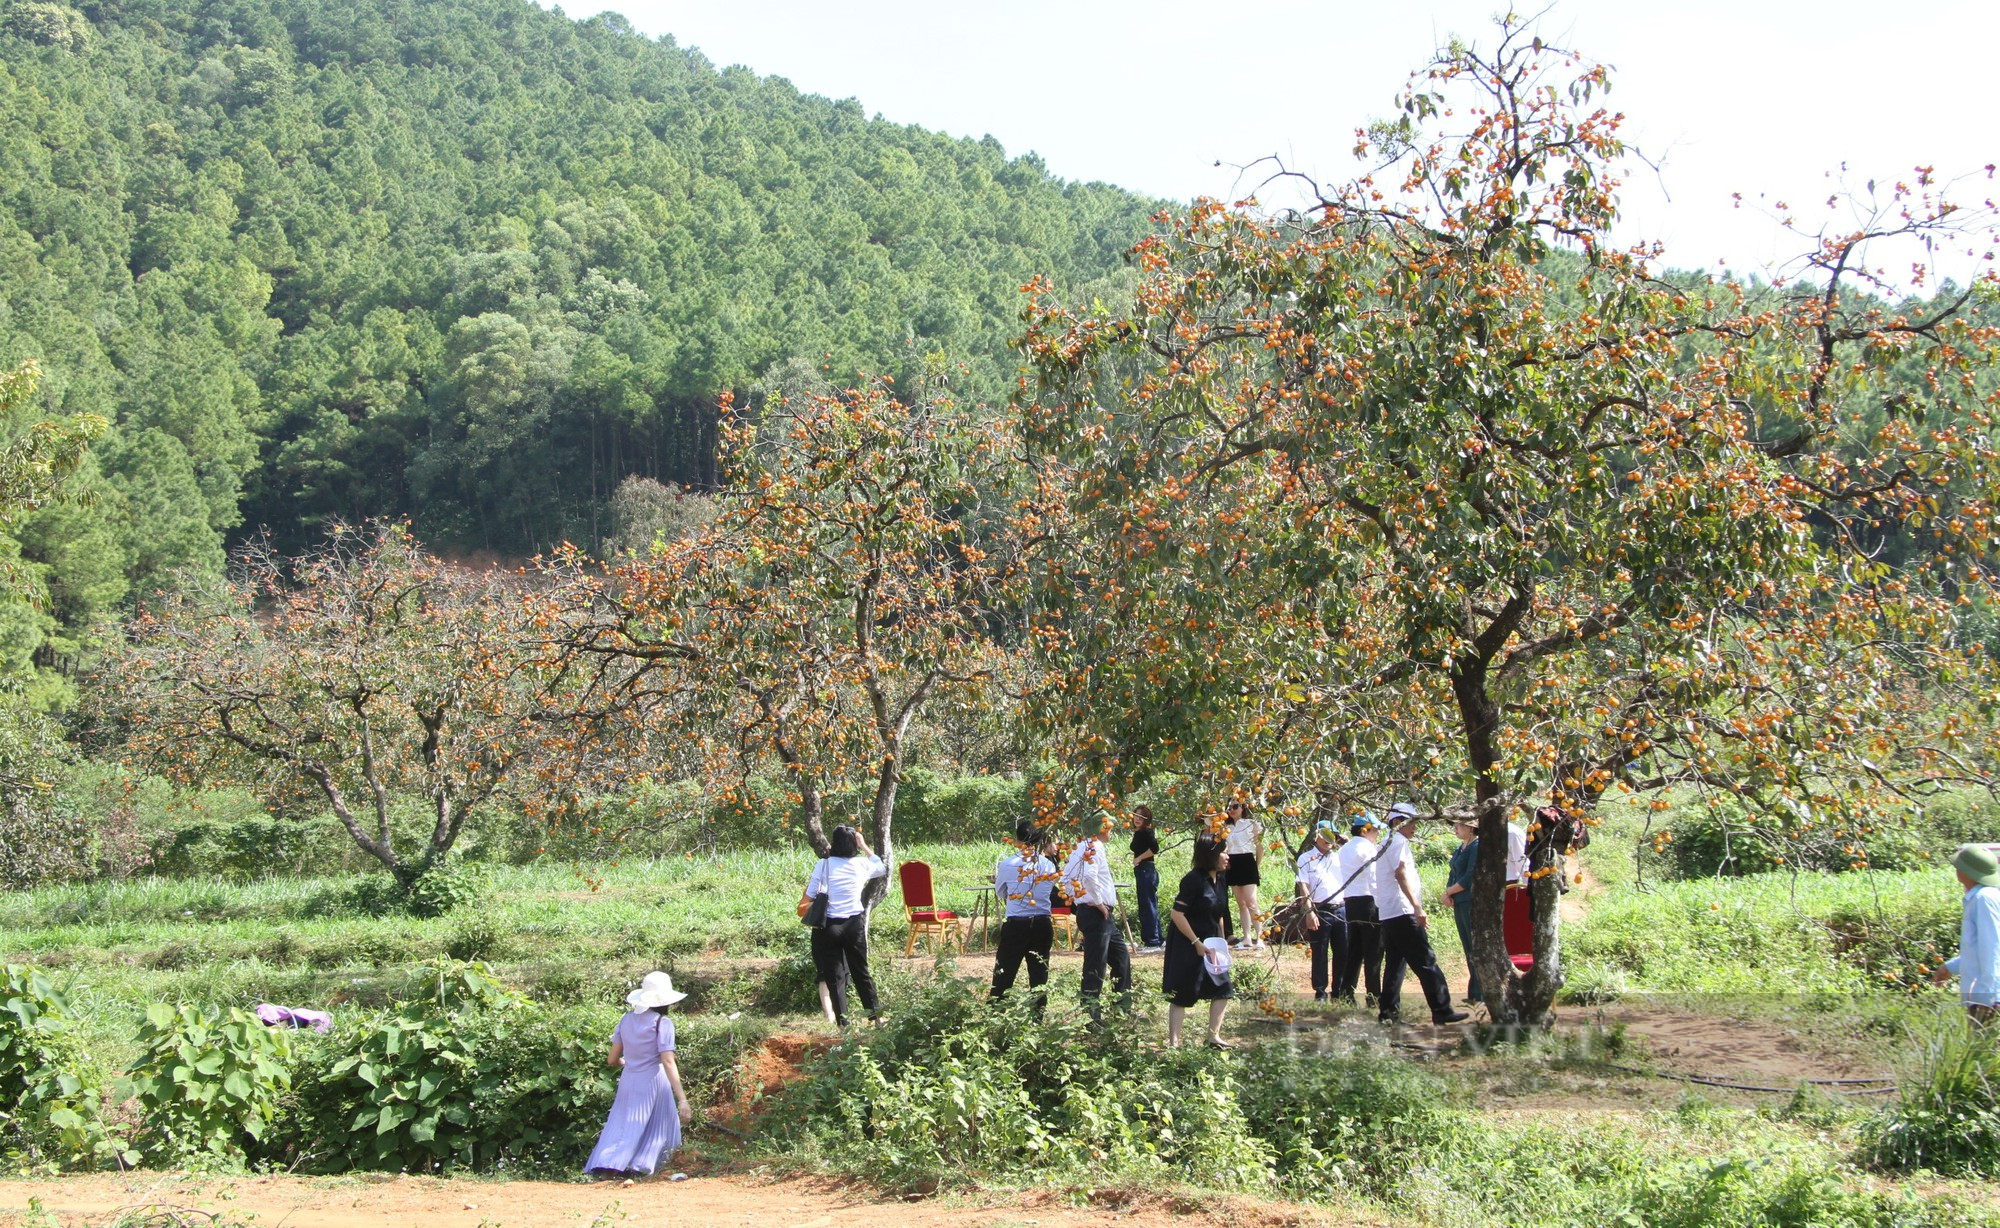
x=644, y=1123
x=289, y=1017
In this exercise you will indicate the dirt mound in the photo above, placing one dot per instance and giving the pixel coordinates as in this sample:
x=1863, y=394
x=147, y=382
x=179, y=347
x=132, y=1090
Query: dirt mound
x=762, y=1073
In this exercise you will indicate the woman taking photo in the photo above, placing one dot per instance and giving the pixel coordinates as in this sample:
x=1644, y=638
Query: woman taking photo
x=650, y=1108
x=1200, y=906
x=840, y=945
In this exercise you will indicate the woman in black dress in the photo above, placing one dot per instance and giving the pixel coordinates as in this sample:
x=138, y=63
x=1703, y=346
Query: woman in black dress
x=1199, y=908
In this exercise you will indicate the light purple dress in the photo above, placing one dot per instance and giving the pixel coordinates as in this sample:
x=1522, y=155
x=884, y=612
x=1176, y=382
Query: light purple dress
x=644, y=1123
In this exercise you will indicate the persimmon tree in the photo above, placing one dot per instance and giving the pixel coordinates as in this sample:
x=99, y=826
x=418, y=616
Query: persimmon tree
x=1432, y=491
x=360, y=674
x=850, y=581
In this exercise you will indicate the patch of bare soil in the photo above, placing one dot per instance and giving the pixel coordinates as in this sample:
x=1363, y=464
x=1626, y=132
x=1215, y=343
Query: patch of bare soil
x=762, y=1073
x=731, y=1201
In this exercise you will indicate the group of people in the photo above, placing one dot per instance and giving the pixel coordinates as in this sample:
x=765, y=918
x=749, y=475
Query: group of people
x=1365, y=922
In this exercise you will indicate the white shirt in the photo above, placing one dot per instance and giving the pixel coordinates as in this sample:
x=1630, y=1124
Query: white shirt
x=1088, y=874
x=1517, y=852
x=1319, y=874
x=1243, y=835
x=1025, y=881
x=1390, y=902
x=1348, y=861
x=844, y=879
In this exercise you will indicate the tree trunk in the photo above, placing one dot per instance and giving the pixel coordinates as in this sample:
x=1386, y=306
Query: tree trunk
x=812, y=808
x=882, y=819
x=1478, y=718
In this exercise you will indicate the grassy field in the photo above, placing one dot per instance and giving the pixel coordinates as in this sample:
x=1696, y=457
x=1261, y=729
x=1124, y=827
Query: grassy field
x=1567, y=1111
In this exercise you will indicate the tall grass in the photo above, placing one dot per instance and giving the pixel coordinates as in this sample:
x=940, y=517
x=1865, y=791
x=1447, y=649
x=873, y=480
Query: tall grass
x=1947, y=1116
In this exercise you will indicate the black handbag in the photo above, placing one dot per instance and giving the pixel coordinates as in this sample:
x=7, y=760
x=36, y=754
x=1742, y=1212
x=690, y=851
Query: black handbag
x=816, y=912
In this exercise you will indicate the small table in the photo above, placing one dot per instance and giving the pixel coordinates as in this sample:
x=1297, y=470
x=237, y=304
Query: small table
x=981, y=912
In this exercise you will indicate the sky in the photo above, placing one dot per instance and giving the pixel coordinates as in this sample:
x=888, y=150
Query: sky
x=1766, y=98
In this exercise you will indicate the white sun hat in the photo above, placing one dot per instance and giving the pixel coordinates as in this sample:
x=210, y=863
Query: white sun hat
x=1215, y=955
x=656, y=990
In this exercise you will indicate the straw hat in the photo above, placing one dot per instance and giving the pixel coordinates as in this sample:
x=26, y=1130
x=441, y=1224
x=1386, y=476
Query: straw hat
x=656, y=990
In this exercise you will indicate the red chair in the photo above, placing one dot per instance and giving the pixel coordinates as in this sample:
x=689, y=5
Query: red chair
x=920, y=905
x=1517, y=927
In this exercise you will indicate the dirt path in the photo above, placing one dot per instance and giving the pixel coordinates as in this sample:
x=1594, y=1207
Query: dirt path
x=728, y=1201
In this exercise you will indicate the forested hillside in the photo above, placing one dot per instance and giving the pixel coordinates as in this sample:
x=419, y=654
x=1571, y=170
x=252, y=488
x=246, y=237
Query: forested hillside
x=464, y=260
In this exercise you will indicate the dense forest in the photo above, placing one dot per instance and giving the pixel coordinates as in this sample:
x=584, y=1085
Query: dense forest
x=465, y=261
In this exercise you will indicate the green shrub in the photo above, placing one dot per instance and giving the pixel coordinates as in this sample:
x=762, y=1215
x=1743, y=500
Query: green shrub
x=1947, y=1117
x=209, y=1081
x=50, y=1094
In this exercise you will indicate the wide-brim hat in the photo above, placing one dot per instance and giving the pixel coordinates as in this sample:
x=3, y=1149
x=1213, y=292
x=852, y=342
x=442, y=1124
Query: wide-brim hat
x=1215, y=954
x=1979, y=863
x=656, y=990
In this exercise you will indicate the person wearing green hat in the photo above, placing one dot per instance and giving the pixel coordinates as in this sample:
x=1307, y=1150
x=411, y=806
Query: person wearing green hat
x=1977, y=964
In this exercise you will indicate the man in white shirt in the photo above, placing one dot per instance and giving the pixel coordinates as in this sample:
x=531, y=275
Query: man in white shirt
x=1024, y=881
x=1399, y=907
x=1319, y=885
x=1354, y=866
x=1094, y=899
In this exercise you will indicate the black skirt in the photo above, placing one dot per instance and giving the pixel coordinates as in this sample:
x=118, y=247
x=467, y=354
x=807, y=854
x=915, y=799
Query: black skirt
x=1242, y=871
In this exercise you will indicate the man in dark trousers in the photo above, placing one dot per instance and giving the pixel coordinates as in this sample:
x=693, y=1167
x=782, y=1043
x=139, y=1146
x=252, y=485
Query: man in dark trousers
x=1355, y=866
x=1399, y=910
x=1024, y=881
x=1086, y=879
x=1319, y=883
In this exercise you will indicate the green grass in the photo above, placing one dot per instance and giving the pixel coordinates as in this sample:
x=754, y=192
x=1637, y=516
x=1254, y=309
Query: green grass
x=1765, y=934
x=569, y=934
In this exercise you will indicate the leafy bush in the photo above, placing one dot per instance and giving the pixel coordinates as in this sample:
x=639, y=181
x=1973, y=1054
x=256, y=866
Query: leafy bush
x=955, y=1090
x=50, y=1099
x=444, y=888
x=209, y=1081
x=1946, y=1118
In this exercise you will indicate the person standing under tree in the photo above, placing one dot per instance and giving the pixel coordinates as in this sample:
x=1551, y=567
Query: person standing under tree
x=1200, y=907
x=1458, y=893
x=1244, y=833
x=1024, y=881
x=1977, y=964
x=1399, y=908
x=1146, y=877
x=1093, y=896
x=1319, y=883
x=1356, y=865
x=840, y=947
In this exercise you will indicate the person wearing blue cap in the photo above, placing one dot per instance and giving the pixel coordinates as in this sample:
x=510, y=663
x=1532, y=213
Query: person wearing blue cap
x=1977, y=964
x=1319, y=885
x=1355, y=867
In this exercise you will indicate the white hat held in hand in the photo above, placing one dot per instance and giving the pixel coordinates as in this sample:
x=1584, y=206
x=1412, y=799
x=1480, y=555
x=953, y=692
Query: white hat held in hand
x=656, y=990
x=1215, y=954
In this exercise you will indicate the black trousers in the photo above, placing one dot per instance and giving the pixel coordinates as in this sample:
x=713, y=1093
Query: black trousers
x=1364, y=948
x=1407, y=944
x=1329, y=945
x=840, y=952
x=1022, y=938
x=1103, y=946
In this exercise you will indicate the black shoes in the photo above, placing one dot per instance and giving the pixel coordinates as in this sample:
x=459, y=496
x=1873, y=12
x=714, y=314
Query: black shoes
x=1450, y=1017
